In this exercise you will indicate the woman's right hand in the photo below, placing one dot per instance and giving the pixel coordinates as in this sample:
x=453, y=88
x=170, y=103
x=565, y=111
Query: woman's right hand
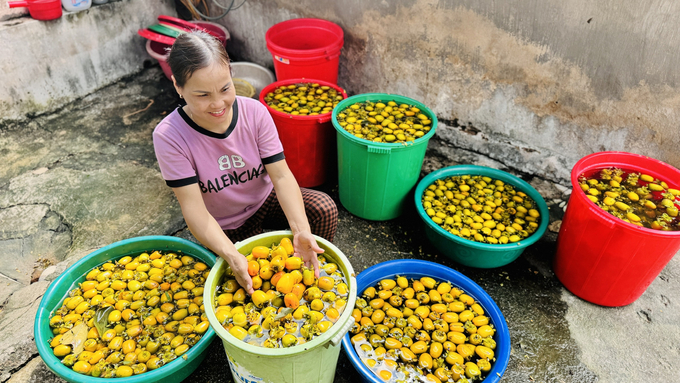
x=239, y=265
x=209, y=233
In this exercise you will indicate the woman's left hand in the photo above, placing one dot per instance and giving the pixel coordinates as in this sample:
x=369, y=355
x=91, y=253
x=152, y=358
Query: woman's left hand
x=306, y=247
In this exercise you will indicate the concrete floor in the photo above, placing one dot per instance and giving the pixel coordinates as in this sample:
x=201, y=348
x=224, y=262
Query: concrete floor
x=526, y=291
x=84, y=154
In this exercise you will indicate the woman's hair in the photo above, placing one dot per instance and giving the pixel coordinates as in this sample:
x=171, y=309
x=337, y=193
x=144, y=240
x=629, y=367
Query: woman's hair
x=193, y=51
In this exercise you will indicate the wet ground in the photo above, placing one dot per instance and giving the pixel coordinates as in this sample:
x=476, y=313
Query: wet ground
x=526, y=291
x=92, y=168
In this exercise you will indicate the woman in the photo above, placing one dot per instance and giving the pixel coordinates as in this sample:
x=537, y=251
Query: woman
x=222, y=157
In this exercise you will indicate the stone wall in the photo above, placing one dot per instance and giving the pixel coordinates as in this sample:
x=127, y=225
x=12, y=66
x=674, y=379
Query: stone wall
x=47, y=64
x=531, y=86
x=520, y=85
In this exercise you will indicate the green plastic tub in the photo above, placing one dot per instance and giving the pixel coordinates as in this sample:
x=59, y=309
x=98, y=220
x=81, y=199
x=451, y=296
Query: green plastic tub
x=314, y=361
x=471, y=253
x=375, y=178
x=172, y=372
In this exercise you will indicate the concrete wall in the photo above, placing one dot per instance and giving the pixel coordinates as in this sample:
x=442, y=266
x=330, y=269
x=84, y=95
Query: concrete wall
x=46, y=64
x=522, y=84
x=531, y=86
x=7, y=13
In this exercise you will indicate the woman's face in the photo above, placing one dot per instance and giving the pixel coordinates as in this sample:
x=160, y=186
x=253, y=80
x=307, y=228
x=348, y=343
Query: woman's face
x=210, y=94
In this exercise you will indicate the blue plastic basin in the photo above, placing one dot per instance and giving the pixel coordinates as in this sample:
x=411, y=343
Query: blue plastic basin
x=174, y=371
x=416, y=269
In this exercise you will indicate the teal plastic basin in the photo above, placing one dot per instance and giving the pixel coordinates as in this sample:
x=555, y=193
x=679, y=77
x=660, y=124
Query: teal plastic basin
x=375, y=178
x=471, y=253
x=174, y=371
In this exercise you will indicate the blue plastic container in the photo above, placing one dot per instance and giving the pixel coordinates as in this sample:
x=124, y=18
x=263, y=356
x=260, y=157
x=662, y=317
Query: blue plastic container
x=471, y=253
x=417, y=269
x=174, y=371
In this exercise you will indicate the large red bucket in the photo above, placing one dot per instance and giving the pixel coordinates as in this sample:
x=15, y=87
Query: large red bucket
x=308, y=141
x=305, y=48
x=601, y=258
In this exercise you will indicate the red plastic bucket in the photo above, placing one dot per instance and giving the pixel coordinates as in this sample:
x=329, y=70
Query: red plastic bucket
x=308, y=141
x=159, y=51
x=40, y=9
x=305, y=48
x=605, y=260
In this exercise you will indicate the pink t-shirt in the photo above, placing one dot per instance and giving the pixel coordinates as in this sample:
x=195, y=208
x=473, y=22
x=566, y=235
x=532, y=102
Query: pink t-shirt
x=229, y=167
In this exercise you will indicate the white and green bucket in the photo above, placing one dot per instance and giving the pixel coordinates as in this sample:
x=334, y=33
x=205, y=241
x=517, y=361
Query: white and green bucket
x=314, y=361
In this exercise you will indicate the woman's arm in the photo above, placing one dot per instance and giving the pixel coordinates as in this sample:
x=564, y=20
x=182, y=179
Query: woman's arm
x=206, y=229
x=290, y=199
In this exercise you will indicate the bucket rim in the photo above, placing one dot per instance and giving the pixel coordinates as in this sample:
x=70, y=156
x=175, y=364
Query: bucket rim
x=380, y=97
x=320, y=341
x=45, y=308
x=516, y=182
x=333, y=46
x=410, y=267
x=583, y=165
x=320, y=118
x=153, y=53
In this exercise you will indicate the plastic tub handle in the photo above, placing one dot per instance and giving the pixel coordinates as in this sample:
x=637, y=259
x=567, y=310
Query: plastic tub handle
x=378, y=150
x=287, y=60
x=323, y=120
x=337, y=339
x=17, y=4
